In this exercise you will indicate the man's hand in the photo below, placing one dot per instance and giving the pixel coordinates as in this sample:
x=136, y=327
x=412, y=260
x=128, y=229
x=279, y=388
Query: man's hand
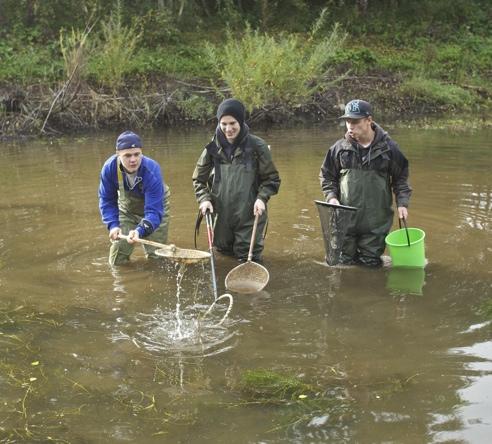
x=133, y=236
x=206, y=205
x=259, y=207
x=114, y=234
x=334, y=201
x=403, y=213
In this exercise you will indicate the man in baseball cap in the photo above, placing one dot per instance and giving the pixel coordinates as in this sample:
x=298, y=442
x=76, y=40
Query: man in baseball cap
x=363, y=170
x=357, y=109
x=133, y=199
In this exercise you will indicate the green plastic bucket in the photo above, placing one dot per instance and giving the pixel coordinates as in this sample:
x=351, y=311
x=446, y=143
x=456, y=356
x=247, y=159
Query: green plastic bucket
x=402, y=254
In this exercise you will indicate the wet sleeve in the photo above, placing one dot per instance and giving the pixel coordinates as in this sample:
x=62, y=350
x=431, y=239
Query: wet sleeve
x=108, y=197
x=329, y=175
x=268, y=176
x=201, y=175
x=399, y=177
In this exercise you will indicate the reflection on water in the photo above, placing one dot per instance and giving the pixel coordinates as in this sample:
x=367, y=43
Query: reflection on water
x=406, y=280
x=470, y=421
x=92, y=353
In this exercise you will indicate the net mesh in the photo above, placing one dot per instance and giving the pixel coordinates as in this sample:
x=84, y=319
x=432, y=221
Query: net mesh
x=183, y=255
x=334, y=223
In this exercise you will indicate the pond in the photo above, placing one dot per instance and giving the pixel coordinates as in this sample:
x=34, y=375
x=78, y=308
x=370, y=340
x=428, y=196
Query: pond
x=94, y=354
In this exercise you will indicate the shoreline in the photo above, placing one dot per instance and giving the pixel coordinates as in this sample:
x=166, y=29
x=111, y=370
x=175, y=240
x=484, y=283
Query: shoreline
x=38, y=110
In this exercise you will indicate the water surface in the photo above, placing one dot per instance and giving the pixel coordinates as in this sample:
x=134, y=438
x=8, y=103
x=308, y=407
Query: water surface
x=91, y=354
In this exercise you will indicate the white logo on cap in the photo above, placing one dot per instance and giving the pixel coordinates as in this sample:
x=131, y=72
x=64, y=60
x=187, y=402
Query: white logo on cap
x=354, y=106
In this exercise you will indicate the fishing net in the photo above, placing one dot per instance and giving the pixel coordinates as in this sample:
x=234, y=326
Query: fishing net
x=249, y=277
x=183, y=255
x=334, y=222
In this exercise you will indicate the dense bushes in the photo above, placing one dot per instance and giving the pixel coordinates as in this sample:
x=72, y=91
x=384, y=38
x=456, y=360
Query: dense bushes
x=269, y=54
x=262, y=70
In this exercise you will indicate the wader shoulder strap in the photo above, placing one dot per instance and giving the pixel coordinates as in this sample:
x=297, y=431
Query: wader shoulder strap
x=213, y=152
x=249, y=149
x=119, y=173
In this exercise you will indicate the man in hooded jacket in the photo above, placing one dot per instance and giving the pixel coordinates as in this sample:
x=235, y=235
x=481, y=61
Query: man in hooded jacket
x=362, y=170
x=234, y=178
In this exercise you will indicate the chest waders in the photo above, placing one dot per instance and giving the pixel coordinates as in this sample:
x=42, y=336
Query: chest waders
x=131, y=212
x=234, y=192
x=369, y=190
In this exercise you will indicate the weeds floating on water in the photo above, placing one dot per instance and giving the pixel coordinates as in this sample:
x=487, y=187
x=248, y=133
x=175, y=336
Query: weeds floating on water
x=269, y=386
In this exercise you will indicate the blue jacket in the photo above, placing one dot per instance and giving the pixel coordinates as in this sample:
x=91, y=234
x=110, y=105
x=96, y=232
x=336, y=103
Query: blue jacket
x=149, y=186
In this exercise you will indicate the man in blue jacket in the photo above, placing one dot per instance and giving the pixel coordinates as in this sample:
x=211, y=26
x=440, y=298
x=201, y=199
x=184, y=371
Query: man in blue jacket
x=133, y=199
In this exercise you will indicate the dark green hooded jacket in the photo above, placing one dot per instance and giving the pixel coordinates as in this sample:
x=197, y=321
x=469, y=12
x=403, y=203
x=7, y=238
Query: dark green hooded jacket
x=233, y=185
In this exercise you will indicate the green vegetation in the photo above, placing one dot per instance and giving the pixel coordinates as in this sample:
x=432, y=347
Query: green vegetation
x=263, y=70
x=269, y=386
x=485, y=309
x=436, y=93
x=42, y=400
x=115, y=51
x=275, y=56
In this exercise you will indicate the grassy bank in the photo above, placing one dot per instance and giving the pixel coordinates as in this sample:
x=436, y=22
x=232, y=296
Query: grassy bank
x=153, y=71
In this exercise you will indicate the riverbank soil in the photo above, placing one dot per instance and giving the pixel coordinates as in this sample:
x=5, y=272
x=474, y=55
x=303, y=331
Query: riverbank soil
x=165, y=102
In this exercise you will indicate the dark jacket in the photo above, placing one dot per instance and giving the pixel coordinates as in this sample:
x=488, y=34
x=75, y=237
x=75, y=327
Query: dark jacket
x=382, y=156
x=252, y=153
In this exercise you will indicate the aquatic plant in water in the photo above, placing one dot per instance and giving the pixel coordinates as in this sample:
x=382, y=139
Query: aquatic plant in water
x=268, y=385
x=303, y=406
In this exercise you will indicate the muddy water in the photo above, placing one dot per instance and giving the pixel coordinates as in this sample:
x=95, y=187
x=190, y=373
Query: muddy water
x=91, y=354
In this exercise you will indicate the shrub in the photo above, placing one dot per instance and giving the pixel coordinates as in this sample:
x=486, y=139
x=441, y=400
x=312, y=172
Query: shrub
x=29, y=63
x=359, y=60
x=262, y=70
x=115, y=52
x=433, y=91
x=195, y=108
x=180, y=61
x=75, y=48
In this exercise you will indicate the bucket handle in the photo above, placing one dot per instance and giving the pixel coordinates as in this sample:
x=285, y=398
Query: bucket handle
x=406, y=229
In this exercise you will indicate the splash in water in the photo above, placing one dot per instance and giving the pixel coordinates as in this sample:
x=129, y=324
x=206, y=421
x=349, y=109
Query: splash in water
x=179, y=278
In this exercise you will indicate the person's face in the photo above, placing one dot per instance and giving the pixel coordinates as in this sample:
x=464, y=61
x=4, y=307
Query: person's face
x=230, y=127
x=131, y=158
x=359, y=129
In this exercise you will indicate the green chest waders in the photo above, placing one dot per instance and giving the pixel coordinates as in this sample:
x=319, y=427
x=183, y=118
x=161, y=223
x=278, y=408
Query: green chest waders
x=131, y=212
x=234, y=196
x=370, y=192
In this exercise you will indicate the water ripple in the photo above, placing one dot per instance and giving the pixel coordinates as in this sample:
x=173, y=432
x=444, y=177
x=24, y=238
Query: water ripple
x=189, y=332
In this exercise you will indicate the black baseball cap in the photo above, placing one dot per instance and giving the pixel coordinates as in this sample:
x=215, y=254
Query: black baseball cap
x=357, y=109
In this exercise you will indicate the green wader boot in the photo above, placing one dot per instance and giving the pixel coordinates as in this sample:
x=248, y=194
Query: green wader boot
x=131, y=211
